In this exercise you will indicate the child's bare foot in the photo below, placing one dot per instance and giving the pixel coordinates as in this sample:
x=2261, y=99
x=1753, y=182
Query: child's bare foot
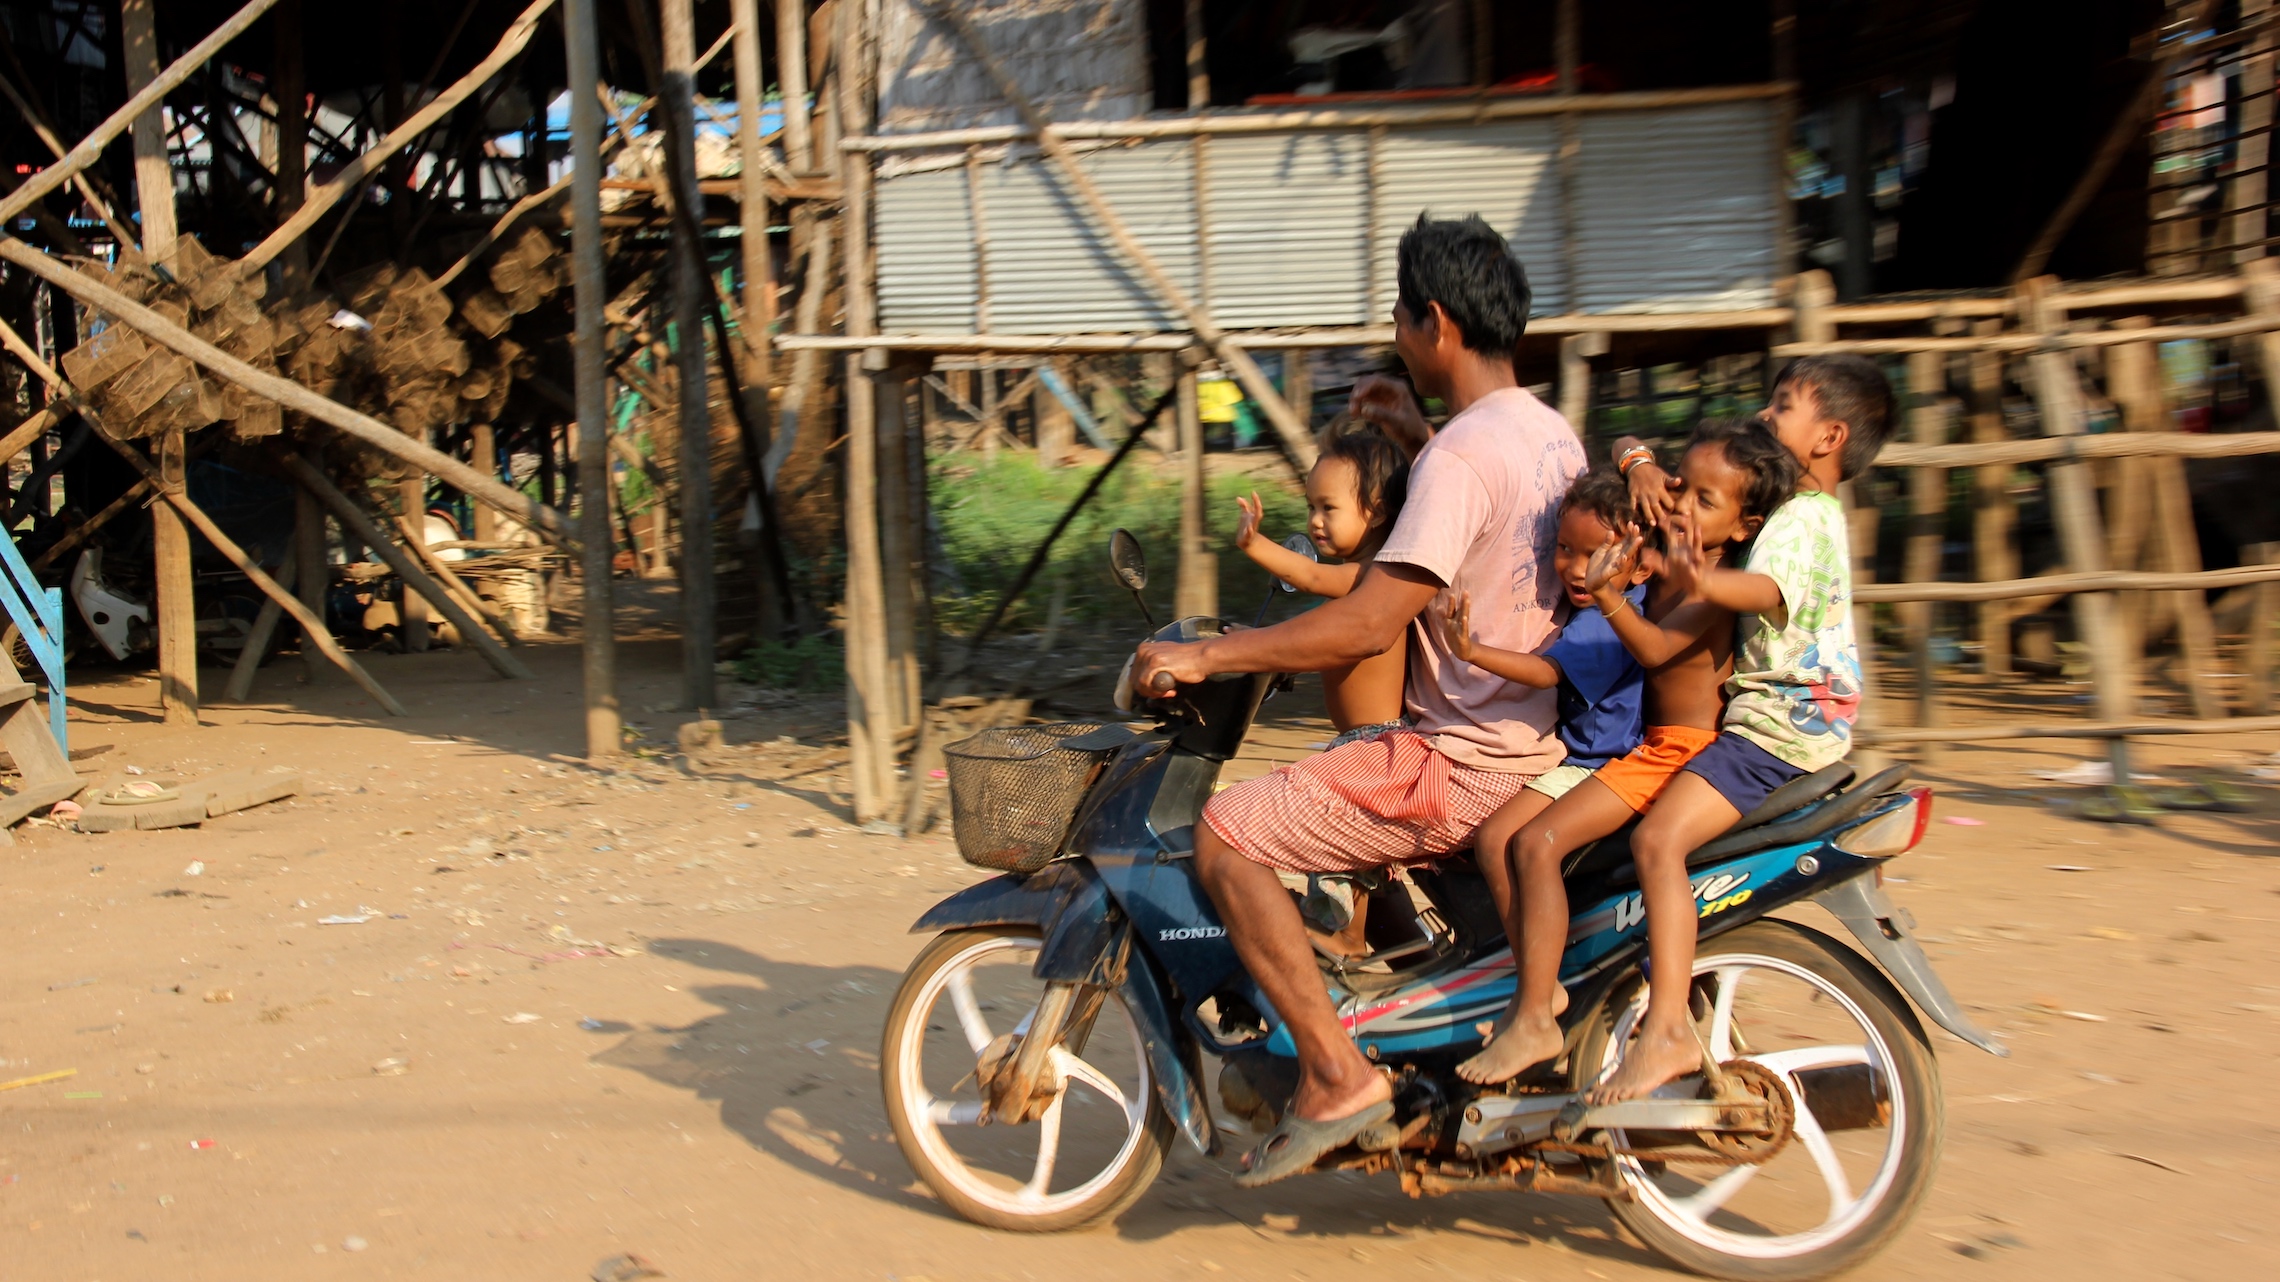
x=1659, y=1056
x=1516, y=1044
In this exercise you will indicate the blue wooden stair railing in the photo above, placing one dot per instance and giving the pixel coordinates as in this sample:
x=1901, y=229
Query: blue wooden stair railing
x=38, y=615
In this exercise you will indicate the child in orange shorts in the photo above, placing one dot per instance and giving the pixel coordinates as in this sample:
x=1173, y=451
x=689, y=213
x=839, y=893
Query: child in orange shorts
x=1734, y=474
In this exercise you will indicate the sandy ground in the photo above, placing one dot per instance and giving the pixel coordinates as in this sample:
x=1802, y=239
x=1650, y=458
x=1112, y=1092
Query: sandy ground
x=594, y=1013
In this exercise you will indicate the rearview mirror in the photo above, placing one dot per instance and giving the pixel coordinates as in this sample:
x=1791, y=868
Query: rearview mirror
x=1302, y=545
x=1126, y=561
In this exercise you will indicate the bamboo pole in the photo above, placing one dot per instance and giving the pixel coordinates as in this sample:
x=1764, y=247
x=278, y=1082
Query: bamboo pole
x=2263, y=615
x=699, y=591
x=352, y=175
x=248, y=663
x=354, y=519
x=1297, y=441
x=2056, y=585
x=597, y=640
x=2069, y=449
x=91, y=148
x=411, y=606
x=1198, y=57
x=2152, y=492
x=2052, y=340
x=2074, y=509
x=88, y=528
x=1465, y=111
x=792, y=82
x=371, y=431
x=871, y=713
x=899, y=540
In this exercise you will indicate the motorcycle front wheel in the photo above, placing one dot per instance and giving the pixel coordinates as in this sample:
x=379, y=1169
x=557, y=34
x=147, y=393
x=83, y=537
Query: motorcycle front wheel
x=1868, y=1118
x=1095, y=1149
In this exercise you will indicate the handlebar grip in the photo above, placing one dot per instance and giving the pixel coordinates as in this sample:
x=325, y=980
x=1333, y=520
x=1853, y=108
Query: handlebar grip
x=1162, y=683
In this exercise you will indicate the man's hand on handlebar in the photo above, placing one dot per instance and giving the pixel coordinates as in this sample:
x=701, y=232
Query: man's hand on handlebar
x=1161, y=665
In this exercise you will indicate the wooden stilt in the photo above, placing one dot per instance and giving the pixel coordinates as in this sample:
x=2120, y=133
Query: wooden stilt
x=2074, y=509
x=791, y=81
x=898, y=550
x=1056, y=428
x=759, y=293
x=1198, y=591
x=2152, y=493
x=314, y=574
x=1993, y=512
x=411, y=603
x=597, y=637
x=871, y=710
x=699, y=593
x=1576, y=351
x=1927, y=425
x=2263, y=616
x=1298, y=384
x=289, y=88
x=483, y=456
x=170, y=543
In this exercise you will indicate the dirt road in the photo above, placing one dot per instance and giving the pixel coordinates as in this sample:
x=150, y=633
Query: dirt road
x=590, y=1014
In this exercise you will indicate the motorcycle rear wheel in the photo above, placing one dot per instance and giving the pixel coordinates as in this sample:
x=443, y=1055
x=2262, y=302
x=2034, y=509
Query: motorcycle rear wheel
x=1760, y=986
x=969, y=988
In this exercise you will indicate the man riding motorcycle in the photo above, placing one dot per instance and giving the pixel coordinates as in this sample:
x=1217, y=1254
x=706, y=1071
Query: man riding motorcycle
x=1481, y=516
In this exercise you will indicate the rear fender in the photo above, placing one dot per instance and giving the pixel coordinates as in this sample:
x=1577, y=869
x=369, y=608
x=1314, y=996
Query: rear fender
x=1883, y=930
x=1082, y=936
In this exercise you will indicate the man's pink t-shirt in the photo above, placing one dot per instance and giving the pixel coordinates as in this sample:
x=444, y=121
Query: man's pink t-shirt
x=1482, y=516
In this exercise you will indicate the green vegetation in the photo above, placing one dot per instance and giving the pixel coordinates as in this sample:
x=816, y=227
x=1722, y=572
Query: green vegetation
x=992, y=515
x=810, y=663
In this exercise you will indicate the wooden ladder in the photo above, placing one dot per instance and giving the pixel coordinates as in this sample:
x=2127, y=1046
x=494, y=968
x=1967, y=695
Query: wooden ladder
x=47, y=776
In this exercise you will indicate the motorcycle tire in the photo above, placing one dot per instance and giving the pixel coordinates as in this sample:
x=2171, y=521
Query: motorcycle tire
x=1899, y=1185
x=962, y=1188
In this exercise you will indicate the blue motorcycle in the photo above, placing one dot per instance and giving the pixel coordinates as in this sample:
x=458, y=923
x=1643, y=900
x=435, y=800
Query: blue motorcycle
x=1045, y=1049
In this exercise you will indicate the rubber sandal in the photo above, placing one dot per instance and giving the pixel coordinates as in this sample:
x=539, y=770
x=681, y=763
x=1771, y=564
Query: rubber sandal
x=1296, y=1144
x=138, y=792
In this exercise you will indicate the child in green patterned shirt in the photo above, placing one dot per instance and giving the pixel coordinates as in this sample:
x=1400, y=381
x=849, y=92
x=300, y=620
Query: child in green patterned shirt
x=1796, y=683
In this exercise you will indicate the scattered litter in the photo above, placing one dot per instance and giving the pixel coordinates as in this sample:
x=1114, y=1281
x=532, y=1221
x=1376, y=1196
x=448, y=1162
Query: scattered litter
x=521, y=1017
x=64, y=812
x=352, y=1244
x=196, y=1144
x=2071, y=868
x=220, y=995
x=346, y=919
x=348, y=320
x=134, y=770
x=433, y=743
x=625, y=1268
x=2102, y=1079
x=38, y=1079
x=2140, y=1157
x=393, y=1066
x=83, y=1094
x=197, y=868
x=937, y=774
x=2083, y=1015
x=1963, y=821
x=71, y=983
x=2111, y=932
x=590, y=1024
x=818, y=1044
x=137, y=792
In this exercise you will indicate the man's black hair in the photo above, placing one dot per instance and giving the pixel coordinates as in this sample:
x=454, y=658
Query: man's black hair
x=1603, y=493
x=1466, y=267
x=1752, y=449
x=1850, y=389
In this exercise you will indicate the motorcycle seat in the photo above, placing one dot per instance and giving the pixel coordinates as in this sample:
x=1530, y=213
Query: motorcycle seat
x=1793, y=813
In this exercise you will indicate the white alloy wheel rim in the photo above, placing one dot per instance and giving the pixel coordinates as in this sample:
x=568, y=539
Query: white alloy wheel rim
x=928, y=1114
x=1690, y=1215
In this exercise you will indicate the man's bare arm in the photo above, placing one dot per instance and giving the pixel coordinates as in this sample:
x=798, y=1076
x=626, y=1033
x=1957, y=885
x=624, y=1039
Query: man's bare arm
x=1354, y=627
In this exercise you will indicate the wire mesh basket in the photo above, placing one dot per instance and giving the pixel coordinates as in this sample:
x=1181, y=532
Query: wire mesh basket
x=1013, y=791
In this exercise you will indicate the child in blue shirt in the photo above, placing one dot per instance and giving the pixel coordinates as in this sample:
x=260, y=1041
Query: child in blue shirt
x=1601, y=687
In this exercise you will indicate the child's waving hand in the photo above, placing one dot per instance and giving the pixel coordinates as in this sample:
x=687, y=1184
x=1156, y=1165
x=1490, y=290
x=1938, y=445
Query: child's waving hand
x=1456, y=625
x=1247, y=525
x=1612, y=564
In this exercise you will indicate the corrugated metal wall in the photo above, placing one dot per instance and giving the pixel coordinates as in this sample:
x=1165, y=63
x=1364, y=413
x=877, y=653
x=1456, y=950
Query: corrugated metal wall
x=1674, y=211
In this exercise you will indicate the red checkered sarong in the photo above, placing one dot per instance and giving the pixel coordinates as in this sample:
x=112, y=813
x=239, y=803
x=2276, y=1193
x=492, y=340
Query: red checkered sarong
x=1388, y=800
